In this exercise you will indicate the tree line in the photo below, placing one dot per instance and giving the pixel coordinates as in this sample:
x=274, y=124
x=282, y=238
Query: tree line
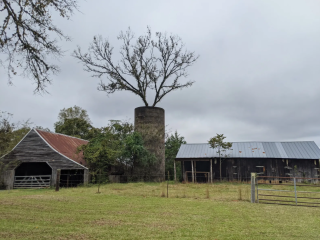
x=113, y=149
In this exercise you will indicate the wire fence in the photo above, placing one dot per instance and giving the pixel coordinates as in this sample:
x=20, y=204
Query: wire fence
x=109, y=178
x=292, y=191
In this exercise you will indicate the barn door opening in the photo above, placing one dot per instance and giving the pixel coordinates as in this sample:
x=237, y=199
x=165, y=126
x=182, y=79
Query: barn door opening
x=32, y=175
x=71, y=178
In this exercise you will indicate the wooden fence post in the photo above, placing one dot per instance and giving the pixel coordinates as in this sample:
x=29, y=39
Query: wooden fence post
x=192, y=172
x=195, y=171
x=86, y=177
x=174, y=168
x=253, y=187
x=58, y=180
x=211, y=180
x=168, y=185
x=295, y=190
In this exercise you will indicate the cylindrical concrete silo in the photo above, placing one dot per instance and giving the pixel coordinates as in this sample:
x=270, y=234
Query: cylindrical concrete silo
x=150, y=122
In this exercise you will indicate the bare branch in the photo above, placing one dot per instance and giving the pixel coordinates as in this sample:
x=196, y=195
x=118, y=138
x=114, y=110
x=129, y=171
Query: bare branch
x=145, y=64
x=27, y=45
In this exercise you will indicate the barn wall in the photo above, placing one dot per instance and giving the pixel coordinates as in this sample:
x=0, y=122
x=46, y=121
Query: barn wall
x=241, y=168
x=34, y=149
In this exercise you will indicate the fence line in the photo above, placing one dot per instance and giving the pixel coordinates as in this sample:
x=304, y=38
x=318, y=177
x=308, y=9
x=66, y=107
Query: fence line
x=298, y=197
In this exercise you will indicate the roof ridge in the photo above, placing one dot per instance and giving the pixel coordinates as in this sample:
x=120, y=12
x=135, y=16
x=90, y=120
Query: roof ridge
x=251, y=142
x=60, y=134
x=62, y=154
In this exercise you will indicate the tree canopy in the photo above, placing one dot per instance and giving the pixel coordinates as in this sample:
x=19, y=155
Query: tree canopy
x=75, y=121
x=172, y=146
x=11, y=133
x=116, y=145
x=218, y=143
x=146, y=64
x=26, y=31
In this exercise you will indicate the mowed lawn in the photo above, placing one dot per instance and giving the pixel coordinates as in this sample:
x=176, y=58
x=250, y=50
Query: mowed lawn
x=139, y=211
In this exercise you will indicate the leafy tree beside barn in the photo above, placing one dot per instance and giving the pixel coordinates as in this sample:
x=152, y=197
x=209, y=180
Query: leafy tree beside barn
x=172, y=145
x=116, y=149
x=74, y=121
x=220, y=146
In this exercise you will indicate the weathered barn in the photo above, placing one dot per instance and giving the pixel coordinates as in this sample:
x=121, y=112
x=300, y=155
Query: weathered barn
x=34, y=161
x=200, y=162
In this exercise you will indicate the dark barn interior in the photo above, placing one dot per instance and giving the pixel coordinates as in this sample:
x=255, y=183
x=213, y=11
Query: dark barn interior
x=71, y=178
x=33, y=169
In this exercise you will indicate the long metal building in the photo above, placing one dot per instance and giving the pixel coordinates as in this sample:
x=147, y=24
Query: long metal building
x=201, y=163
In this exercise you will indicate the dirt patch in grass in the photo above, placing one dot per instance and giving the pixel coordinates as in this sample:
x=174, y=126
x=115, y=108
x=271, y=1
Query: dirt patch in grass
x=75, y=236
x=107, y=222
x=49, y=197
x=161, y=226
x=167, y=214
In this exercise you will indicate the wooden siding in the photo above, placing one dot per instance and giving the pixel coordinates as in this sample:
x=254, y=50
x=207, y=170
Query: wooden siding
x=240, y=169
x=34, y=149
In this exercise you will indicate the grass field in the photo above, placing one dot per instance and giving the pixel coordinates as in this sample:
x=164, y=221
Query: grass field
x=137, y=211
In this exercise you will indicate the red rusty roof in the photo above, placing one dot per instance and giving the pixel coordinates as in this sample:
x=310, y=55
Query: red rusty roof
x=65, y=145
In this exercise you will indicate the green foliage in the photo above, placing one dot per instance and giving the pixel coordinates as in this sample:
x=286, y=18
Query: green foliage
x=221, y=146
x=102, y=152
x=75, y=121
x=218, y=143
x=116, y=145
x=10, y=136
x=134, y=153
x=11, y=133
x=73, y=112
x=172, y=146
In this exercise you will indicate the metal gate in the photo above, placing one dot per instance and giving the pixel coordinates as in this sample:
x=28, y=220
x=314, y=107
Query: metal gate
x=39, y=181
x=292, y=191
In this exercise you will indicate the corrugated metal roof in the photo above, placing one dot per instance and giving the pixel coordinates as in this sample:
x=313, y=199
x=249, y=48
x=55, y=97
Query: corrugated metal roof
x=290, y=150
x=65, y=145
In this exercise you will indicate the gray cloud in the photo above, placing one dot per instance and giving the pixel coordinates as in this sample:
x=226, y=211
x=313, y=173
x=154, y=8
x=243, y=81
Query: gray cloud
x=257, y=77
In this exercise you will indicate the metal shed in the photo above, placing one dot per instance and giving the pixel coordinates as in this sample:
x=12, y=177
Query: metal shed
x=200, y=162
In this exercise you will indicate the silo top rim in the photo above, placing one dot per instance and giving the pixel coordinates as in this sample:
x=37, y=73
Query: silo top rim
x=148, y=107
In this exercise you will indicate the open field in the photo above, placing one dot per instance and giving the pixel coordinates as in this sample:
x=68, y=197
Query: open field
x=137, y=211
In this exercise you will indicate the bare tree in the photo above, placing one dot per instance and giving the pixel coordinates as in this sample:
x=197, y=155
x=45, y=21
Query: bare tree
x=25, y=37
x=145, y=64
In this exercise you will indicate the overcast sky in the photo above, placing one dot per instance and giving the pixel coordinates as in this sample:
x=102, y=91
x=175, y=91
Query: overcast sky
x=257, y=78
